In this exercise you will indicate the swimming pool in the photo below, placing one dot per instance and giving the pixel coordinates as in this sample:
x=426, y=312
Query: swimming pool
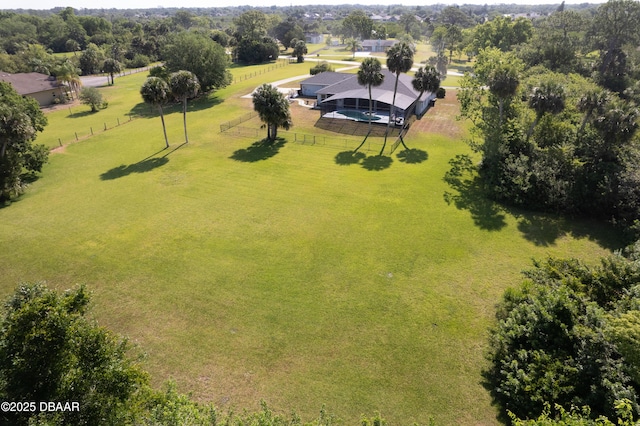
x=357, y=115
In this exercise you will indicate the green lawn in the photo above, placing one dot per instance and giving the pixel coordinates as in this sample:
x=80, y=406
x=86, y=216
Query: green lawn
x=284, y=275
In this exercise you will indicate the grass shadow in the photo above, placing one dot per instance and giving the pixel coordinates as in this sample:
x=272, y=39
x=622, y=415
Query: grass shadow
x=486, y=214
x=139, y=167
x=544, y=229
x=376, y=163
x=258, y=151
x=412, y=156
x=82, y=114
x=346, y=158
x=142, y=166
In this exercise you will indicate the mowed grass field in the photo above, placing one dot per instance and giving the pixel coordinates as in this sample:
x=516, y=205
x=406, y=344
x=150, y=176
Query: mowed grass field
x=284, y=275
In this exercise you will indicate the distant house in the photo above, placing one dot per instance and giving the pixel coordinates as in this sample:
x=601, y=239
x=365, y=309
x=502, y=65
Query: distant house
x=314, y=38
x=43, y=88
x=337, y=91
x=377, y=45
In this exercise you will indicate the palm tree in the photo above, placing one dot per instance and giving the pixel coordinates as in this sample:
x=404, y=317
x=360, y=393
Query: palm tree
x=399, y=60
x=426, y=79
x=592, y=103
x=503, y=83
x=155, y=91
x=299, y=50
x=111, y=66
x=548, y=98
x=184, y=85
x=68, y=74
x=75, y=83
x=353, y=45
x=273, y=109
x=370, y=75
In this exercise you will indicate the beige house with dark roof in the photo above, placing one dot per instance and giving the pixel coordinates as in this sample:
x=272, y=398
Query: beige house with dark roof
x=340, y=91
x=43, y=88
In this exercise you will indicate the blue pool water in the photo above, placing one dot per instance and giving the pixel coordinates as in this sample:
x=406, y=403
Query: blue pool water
x=357, y=115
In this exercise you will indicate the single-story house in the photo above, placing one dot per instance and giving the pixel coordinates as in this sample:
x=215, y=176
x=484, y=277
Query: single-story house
x=377, y=45
x=314, y=38
x=337, y=91
x=43, y=88
x=310, y=86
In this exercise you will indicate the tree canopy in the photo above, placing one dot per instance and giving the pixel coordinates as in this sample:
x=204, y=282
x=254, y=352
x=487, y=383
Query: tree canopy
x=92, y=97
x=199, y=54
x=552, y=141
x=565, y=337
x=357, y=25
x=20, y=122
x=49, y=351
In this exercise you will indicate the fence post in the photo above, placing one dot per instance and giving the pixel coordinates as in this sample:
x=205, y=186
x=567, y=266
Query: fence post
x=59, y=142
x=105, y=127
x=118, y=121
x=76, y=135
x=91, y=128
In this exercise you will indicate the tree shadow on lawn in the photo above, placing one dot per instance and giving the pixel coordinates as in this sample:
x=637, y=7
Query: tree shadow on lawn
x=346, y=158
x=258, y=151
x=412, y=156
x=542, y=229
x=380, y=162
x=142, y=166
x=377, y=163
x=371, y=163
x=82, y=114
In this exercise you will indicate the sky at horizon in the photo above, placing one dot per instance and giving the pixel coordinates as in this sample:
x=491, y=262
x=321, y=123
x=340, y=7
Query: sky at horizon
x=146, y=4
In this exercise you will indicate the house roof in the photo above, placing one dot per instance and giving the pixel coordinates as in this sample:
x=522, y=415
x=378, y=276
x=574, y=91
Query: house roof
x=31, y=82
x=327, y=78
x=382, y=43
x=349, y=88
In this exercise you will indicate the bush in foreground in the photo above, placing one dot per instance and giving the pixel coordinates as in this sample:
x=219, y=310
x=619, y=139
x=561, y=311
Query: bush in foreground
x=51, y=351
x=568, y=337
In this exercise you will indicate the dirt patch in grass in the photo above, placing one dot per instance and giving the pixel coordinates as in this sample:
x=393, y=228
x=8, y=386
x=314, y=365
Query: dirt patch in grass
x=308, y=118
x=441, y=118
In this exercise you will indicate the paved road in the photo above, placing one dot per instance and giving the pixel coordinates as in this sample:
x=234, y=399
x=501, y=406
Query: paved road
x=94, y=80
x=100, y=80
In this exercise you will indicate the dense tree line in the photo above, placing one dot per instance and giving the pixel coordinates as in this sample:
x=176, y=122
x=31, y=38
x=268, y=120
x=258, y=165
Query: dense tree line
x=556, y=133
x=136, y=38
x=554, y=112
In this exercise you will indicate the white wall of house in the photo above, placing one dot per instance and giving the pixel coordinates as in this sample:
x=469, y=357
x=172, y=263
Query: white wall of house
x=421, y=106
x=310, y=89
x=48, y=97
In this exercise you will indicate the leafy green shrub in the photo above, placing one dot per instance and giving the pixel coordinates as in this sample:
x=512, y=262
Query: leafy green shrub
x=138, y=61
x=49, y=351
x=323, y=66
x=92, y=97
x=565, y=337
